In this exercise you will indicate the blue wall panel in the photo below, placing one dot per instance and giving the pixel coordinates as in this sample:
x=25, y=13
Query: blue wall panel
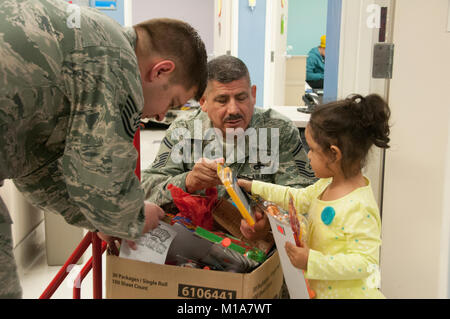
x=251, y=46
x=118, y=14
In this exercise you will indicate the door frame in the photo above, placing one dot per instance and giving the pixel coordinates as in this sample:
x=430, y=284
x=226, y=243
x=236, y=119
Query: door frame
x=230, y=28
x=268, y=65
x=128, y=12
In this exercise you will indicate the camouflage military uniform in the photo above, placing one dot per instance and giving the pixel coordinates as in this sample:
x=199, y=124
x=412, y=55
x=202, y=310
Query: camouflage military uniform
x=9, y=279
x=293, y=170
x=70, y=103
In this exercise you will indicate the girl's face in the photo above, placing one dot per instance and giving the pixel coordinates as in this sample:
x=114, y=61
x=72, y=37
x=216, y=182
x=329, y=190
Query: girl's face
x=317, y=158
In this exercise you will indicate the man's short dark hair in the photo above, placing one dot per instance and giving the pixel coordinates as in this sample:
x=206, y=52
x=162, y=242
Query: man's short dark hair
x=177, y=40
x=226, y=69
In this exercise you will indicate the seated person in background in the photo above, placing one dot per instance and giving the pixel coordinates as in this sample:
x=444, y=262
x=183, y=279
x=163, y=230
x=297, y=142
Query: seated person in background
x=228, y=104
x=315, y=65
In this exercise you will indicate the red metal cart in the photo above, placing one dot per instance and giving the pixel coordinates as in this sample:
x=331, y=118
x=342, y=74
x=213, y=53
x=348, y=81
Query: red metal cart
x=95, y=262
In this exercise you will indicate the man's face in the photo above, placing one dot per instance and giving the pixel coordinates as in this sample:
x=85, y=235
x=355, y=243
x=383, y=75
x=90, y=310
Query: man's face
x=229, y=105
x=322, y=51
x=159, y=98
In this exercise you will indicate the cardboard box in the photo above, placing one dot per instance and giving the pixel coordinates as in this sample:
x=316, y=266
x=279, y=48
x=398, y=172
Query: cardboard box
x=228, y=217
x=129, y=279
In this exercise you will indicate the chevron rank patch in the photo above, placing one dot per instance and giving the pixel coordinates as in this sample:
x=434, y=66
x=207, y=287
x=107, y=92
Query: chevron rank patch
x=131, y=117
x=167, y=143
x=297, y=149
x=161, y=160
x=302, y=167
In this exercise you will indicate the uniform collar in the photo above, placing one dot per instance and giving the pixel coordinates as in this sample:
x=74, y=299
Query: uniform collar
x=130, y=34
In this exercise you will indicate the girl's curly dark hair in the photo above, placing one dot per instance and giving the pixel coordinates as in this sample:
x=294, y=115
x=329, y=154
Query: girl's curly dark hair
x=353, y=125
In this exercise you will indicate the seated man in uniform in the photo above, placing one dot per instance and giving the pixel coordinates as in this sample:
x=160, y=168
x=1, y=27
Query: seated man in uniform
x=193, y=145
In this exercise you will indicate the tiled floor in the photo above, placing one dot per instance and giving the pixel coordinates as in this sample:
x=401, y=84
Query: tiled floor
x=36, y=278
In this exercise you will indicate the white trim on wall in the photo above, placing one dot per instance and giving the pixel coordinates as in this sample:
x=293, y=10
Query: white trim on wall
x=355, y=58
x=235, y=28
x=444, y=283
x=448, y=24
x=128, y=12
x=268, y=65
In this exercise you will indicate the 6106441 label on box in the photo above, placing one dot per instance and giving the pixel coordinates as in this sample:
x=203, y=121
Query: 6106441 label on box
x=188, y=291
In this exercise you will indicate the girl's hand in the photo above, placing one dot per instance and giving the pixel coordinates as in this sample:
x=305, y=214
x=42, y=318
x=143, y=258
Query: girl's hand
x=298, y=255
x=246, y=185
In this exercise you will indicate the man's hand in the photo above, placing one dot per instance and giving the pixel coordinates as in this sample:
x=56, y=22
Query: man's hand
x=114, y=243
x=111, y=241
x=245, y=185
x=298, y=255
x=153, y=214
x=203, y=175
x=259, y=230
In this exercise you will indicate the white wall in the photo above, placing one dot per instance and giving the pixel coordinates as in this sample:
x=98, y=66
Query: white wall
x=415, y=204
x=26, y=219
x=198, y=13
x=295, y=80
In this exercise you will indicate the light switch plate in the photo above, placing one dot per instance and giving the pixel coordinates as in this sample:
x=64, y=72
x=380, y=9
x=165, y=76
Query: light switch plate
x=383, y=56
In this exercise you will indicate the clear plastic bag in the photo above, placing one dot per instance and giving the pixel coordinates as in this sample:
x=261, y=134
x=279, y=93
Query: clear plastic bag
x=298, y=222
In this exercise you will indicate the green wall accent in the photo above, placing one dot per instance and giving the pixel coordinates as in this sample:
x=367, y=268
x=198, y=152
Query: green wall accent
x=307, y=22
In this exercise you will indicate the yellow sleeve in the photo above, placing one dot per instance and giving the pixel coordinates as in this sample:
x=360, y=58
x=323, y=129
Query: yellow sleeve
x=360, y=257
x=280, y=194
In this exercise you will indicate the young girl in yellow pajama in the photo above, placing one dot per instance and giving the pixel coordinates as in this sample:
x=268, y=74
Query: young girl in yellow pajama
x=341, y=256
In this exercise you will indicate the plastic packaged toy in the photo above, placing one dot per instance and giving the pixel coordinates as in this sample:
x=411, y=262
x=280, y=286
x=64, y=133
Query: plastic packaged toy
x=298, y=222
x=237, y=195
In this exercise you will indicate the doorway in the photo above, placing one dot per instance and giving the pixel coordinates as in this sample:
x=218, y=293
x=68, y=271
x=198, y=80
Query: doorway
x=293, y=28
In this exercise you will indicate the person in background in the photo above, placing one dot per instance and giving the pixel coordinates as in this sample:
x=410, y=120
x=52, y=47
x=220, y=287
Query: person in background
x=341, y=255
x=72, y=93
x=315, y=65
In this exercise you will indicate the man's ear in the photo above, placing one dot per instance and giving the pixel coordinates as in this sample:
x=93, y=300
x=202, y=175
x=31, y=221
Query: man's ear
x=202, y=102
x=160, y=70
x=254, y=92
x=336, y=152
